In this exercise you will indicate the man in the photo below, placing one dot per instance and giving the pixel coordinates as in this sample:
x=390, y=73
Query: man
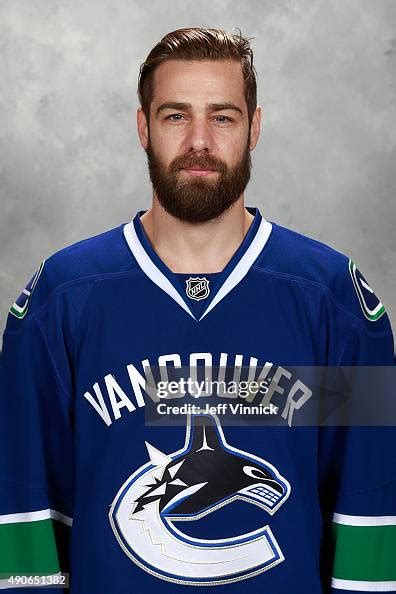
x=197, y=281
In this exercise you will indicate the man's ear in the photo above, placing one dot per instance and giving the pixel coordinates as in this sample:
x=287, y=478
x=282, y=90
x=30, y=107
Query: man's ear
x=142, y=127
x=255, y=128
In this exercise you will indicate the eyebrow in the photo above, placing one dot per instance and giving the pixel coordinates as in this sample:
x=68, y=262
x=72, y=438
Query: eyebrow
x=210, y=107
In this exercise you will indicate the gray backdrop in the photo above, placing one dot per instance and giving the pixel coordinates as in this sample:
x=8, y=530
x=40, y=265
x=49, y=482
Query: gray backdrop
x=71, y=165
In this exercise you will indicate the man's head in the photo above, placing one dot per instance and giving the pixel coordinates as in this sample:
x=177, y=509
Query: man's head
x=197, y=90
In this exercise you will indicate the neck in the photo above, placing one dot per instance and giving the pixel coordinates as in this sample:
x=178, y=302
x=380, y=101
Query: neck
x=196, y=248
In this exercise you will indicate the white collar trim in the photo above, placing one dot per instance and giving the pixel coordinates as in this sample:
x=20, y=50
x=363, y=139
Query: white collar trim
x=243, y=266
x=235, y=277
x=150, y=269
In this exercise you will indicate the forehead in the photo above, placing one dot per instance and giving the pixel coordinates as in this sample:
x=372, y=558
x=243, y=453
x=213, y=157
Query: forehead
x=193, y=81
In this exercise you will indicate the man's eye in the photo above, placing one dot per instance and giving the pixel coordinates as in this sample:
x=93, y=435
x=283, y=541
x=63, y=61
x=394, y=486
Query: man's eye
x=174, y=115
x=225, y=119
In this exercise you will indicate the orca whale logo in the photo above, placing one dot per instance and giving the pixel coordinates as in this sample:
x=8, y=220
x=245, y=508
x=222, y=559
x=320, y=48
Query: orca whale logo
x=204, y=475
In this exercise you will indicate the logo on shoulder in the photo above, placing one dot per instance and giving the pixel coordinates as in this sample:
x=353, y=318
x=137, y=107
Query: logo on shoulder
x=20, y=307
x=371, y=306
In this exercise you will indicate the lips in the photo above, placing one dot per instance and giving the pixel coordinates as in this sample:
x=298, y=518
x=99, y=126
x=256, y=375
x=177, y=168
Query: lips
x=199, y=168
x=196, y=172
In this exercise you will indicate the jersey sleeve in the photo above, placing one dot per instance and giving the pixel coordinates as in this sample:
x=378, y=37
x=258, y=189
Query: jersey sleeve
x=362, y=482
x=36, y=454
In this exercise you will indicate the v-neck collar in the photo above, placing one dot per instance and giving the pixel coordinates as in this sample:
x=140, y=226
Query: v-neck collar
x=232, y=274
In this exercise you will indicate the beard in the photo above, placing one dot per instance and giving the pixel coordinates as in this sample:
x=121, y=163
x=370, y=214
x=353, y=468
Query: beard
x=198, y=199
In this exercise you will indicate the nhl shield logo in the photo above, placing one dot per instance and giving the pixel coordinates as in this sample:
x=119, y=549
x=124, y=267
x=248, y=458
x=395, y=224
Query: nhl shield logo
x=197, y=288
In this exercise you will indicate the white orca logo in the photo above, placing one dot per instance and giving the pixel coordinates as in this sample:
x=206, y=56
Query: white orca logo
x=206, y=474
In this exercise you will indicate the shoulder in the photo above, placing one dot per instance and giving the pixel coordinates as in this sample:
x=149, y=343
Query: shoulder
x=312, y=263
x=75, y=269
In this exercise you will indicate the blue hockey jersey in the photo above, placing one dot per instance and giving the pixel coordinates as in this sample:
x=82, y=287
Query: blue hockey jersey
x=90, y=488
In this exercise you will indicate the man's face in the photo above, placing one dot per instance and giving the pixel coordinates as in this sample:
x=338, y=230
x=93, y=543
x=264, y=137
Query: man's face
x=198, y=141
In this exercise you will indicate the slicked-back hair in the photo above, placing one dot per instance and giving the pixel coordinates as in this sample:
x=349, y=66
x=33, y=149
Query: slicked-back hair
x=196, y=43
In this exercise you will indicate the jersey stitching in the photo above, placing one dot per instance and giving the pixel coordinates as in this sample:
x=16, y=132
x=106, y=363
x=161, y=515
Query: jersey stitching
x=337, y=303
x=347, y=342
x=67, y=284
x=358, y=491
x=83, y=309
x=47, y=488
x=58, y=376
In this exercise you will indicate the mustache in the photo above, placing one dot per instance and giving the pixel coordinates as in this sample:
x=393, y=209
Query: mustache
x=204, y=162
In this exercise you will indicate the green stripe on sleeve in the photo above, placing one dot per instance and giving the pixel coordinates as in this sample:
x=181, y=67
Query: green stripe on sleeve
x=28, y=548
x=364, y=553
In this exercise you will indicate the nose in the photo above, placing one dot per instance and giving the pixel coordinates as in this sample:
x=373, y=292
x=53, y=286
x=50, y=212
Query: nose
x=199, y=135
